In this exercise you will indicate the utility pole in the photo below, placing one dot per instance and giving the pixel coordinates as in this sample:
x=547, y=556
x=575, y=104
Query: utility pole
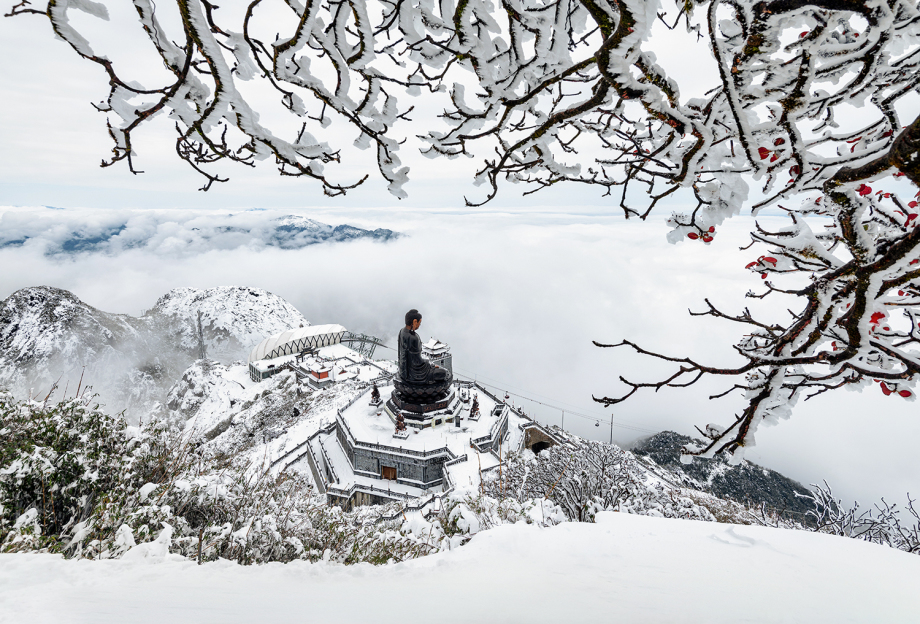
x=202, y=350
x=563, y=420
x=611, y=428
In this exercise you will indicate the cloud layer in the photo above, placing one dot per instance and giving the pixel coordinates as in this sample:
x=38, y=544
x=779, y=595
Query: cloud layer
x=57, y=231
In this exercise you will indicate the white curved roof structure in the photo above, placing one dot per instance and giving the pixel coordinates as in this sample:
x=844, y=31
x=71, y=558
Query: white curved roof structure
x=297, y=340
x=435, y=346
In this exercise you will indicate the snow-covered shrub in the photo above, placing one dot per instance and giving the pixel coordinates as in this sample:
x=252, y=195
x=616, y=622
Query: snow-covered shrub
x=585, y=477
x=56, y=463
x=885, y=525
x=78, y=481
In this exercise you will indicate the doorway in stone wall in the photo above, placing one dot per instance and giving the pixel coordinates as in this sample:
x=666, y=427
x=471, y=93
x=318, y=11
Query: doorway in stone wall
x=389, y=473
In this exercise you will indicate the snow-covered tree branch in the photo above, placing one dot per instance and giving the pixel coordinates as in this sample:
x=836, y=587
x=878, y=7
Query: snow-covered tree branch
x=563, y=91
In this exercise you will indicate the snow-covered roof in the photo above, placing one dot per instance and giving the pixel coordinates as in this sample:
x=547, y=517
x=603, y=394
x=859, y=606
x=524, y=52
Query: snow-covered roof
x=296, y=340
x=435, y=345
x=264, y=365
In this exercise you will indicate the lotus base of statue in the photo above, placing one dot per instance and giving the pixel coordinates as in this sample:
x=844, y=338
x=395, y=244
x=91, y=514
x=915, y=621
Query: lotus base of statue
x=421, y=394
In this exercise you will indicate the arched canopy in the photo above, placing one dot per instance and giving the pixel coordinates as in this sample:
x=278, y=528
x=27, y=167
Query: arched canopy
x=297, y=340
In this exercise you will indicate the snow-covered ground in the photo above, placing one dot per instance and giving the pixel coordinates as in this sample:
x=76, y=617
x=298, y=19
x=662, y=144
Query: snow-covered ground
x=625, y=568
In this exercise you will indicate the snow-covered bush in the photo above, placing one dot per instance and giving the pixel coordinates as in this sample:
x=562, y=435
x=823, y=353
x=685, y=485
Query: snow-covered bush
x=885, y=525
x=77, y=481
x=586, y=476
x=56, y=463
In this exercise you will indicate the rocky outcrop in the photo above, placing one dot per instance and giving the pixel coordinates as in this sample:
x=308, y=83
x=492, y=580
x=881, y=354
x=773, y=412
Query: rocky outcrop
x=221, y=323
x=745, y=483
x=49, y=336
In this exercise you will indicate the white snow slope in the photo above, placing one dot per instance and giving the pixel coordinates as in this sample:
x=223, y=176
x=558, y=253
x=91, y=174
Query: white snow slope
x=625, y=568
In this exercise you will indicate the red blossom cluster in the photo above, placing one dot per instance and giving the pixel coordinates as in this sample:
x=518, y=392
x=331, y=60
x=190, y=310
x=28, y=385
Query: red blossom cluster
x=705, y=236
x=762, y=261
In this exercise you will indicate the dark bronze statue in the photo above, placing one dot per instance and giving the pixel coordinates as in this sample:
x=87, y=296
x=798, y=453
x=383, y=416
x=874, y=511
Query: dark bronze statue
x=418, y=381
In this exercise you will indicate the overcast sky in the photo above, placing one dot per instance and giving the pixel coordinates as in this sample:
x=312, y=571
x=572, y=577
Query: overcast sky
x=518, y=289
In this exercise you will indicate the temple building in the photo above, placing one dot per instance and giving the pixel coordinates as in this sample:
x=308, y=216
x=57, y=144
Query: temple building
x=360, y=460
x=438, y=354
x=320, y=355
x=376, y=452
x=411, y=437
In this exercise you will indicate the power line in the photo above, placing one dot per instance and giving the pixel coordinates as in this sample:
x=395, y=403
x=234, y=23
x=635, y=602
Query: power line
x=527, y=392
x=596, y=419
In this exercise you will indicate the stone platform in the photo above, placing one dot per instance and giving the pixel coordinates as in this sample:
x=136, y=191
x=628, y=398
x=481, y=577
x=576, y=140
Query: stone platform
x=357, y=460
x=420, y=416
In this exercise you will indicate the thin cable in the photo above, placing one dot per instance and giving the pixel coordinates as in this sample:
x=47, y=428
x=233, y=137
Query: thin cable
x=529, y=393
x=596, y=419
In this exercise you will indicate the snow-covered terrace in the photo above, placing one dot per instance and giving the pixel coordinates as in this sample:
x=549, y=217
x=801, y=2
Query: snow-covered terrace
x=342, y=363
x=469, y=449
x=367, y=427
x=341, y=358
x=347, y=481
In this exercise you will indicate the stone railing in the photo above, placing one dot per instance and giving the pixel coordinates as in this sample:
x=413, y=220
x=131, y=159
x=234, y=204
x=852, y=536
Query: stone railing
x=318, y=475
x=484, y=443
x=382, y=381
x=439, y=496
x=448, y=482
x=488, y=394
x=368, y=489
x=353, y=400
x=456, y=460
x=322, y=449
x=327, y=429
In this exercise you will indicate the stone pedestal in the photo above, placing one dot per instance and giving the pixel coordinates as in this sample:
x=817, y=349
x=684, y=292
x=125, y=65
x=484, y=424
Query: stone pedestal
x=421, y=394
x=422, y=415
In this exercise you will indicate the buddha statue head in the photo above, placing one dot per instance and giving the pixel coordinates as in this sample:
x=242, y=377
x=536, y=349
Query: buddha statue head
x=413, y=319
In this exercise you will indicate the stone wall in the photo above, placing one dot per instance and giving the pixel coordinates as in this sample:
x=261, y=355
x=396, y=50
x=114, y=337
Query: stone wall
x=357, y=500
x=428, y=471
x=534, y=435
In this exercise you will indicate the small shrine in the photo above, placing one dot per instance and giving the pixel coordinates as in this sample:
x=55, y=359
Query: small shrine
x=438, y=354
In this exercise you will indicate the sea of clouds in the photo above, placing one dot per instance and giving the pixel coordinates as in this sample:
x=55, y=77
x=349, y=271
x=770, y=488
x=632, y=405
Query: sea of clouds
x=58, y=231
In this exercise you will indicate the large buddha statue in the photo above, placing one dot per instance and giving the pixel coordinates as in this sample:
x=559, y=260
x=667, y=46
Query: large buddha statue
x=418, y=381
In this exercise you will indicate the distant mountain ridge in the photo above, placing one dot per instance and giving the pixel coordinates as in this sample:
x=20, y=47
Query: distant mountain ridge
x=745, y=483
x=72, y=232
x=48, y=335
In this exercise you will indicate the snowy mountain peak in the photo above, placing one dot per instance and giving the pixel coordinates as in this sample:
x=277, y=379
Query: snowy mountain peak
x=49, y=335
x=232, y=319
x=42, y=322
x=301, y=223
